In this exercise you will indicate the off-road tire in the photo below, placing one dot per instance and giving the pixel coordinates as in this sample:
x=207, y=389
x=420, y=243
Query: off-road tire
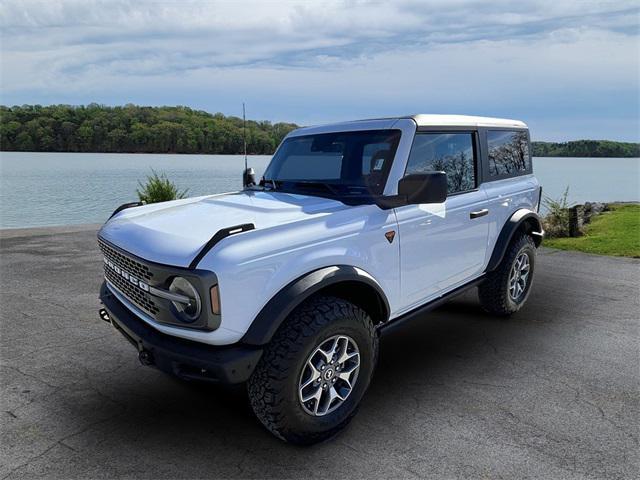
x=494, y=291
x=273, y=386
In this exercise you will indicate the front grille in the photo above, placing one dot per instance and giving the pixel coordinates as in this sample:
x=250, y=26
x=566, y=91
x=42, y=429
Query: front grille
x=136, y=268
x=132, y=292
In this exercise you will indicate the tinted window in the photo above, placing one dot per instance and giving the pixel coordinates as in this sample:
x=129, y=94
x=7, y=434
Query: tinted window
x=358, y=160
x=305, y=162
x=508, y=153
x=452, y=153
x=371, y=151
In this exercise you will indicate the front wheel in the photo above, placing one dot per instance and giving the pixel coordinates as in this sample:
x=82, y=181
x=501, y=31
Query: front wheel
x=314, y=372
x=507, y=288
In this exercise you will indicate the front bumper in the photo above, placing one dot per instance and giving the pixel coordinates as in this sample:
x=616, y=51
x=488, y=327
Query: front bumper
x=183, y=358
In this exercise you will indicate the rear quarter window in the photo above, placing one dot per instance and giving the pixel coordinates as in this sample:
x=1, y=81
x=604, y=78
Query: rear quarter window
x=508, y=152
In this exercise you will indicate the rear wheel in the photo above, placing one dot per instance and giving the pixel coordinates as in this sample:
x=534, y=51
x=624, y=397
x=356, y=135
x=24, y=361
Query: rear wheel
x=507, y=288
x=313, y=374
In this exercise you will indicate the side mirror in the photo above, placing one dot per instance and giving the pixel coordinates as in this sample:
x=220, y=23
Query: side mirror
x=424, y=188
x=248, y=178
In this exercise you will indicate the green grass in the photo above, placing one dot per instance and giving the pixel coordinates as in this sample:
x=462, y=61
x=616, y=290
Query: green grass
x=616, y=232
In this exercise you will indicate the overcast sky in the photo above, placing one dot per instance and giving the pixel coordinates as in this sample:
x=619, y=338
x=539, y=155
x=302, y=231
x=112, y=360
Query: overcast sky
x=568, y=68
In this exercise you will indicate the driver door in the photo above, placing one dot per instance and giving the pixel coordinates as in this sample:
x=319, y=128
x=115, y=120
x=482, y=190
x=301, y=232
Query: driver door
x=443, y=245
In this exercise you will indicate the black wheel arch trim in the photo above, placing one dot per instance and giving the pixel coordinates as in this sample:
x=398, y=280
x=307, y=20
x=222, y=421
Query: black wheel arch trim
x=274, y=313
x=521, y=217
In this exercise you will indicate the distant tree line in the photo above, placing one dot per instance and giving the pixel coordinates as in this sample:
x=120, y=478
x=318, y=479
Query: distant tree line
x=133, y=129
x=136, y=129
x=586, y=148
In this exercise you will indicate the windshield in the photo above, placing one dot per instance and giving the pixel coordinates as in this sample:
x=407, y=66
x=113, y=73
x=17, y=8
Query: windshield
x=334, y=164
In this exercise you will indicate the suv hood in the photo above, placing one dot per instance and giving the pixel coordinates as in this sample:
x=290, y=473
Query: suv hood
x=172, y=233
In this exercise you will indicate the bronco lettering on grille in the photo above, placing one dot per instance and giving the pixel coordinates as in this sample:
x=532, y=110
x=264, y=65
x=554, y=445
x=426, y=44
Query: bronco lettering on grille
x=126, y=275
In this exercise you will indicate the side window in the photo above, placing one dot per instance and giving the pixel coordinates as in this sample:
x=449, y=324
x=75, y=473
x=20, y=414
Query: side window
x=452, y=153
x=508, y=153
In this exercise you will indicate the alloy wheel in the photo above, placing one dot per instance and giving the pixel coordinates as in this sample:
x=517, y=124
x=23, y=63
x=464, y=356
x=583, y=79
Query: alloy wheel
x=329, y=375
x=519, y=276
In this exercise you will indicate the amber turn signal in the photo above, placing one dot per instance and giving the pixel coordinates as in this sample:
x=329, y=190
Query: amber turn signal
x=215, y=300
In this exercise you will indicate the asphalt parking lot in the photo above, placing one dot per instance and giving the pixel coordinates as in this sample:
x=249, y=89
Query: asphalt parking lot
x=553, y=392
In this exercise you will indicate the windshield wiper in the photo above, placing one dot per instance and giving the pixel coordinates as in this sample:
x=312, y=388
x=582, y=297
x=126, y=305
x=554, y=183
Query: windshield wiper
x=273, y=185
x=327, y=186
x=271, y=182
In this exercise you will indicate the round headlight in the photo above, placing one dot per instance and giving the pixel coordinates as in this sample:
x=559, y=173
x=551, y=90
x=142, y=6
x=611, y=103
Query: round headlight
x=190, y=310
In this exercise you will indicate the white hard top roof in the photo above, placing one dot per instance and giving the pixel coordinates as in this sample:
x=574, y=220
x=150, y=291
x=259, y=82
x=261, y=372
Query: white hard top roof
x=425, y=120
x=422, y=120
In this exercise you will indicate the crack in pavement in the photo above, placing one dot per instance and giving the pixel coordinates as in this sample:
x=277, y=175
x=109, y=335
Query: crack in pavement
x=56, y=347
x=60, y=442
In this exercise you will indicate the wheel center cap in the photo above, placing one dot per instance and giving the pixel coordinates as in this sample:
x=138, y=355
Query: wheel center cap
x=328, y=374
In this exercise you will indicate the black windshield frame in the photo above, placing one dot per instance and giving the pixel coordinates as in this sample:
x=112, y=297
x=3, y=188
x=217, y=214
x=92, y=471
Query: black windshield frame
x=353, y=182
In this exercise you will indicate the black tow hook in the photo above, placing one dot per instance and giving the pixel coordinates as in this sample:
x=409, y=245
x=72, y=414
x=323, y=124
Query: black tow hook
x=145, y=358
x=104, y=315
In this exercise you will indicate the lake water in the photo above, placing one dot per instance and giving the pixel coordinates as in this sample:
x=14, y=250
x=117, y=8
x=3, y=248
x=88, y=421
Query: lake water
x=38, y=189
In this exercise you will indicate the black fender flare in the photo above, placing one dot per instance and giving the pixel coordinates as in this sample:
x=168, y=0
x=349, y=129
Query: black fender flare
x=523, y=218
x=293, y=294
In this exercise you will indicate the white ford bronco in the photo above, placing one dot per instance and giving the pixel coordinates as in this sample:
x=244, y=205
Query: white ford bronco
x=354, y=229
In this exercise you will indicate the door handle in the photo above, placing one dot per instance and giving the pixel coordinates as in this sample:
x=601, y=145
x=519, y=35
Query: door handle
x=479, y=213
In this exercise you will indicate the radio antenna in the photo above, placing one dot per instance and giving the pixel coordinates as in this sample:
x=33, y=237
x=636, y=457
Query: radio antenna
x=248, y=176
x=244, y=135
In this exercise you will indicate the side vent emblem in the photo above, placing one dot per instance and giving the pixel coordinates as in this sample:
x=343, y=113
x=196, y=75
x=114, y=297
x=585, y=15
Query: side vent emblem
x=390, y=235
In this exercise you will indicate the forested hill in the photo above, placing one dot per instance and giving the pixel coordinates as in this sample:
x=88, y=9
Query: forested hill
x=135, y=129
x=586, y=148
x=98, y=128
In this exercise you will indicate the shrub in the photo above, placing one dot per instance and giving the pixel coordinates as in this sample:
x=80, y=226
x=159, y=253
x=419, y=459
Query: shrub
x=556, y=221
x=158, y=188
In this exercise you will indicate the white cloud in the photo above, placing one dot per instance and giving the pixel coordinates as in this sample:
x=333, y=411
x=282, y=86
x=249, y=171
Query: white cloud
x=314, y=61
